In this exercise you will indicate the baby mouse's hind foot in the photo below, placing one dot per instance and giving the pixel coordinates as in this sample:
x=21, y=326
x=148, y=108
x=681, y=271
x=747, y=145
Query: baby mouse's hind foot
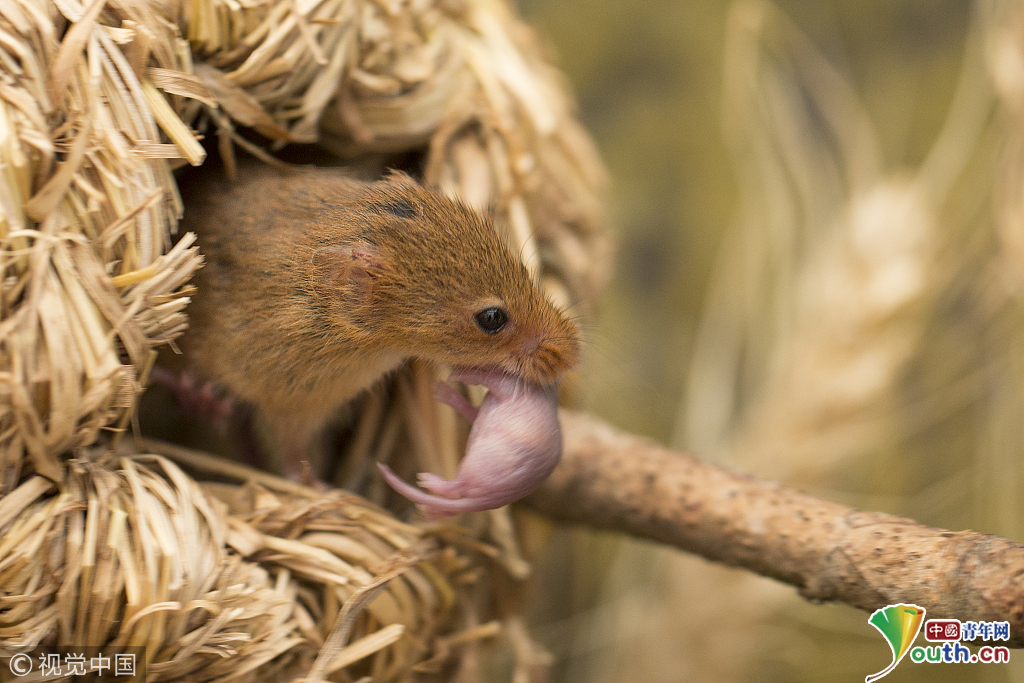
x=439, y=485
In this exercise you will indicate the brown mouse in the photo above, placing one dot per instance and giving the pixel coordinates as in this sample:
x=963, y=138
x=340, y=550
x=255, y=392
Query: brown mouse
x=317, y=285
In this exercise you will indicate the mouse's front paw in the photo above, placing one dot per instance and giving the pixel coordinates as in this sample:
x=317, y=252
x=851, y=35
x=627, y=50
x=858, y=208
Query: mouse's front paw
x=198, y=399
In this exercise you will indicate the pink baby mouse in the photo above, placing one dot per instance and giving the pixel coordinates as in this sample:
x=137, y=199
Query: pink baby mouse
x=514, y=444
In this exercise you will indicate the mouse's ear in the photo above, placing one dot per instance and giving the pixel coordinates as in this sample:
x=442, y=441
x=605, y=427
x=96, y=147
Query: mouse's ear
x=341, y=267
x=398, y=177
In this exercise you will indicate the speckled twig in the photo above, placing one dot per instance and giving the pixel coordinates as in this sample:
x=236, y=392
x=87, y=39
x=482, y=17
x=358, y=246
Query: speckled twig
x=609, y=479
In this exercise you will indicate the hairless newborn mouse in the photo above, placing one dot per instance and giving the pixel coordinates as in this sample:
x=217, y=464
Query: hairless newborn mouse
x=514, y=444
x=317, y=285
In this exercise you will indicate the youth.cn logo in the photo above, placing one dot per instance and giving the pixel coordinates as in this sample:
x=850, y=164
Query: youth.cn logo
x=900, y=624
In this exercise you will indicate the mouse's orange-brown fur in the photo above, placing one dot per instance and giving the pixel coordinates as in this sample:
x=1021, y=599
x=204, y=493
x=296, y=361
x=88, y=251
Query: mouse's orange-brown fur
x=316, y=285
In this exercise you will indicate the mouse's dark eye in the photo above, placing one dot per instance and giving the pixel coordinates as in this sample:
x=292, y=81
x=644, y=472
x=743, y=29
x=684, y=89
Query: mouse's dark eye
x=492, y=319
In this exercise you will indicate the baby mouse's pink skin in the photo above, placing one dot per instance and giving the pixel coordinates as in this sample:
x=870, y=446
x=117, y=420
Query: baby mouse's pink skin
x=514, y=444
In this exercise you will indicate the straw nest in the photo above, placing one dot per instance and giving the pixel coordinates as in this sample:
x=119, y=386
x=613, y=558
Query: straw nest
x=99, y=102
x=231, y=583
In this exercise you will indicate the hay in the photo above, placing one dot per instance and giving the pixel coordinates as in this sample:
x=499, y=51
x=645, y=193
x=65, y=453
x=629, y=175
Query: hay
x=87, y=208
x=218, y=584
x=99, y=102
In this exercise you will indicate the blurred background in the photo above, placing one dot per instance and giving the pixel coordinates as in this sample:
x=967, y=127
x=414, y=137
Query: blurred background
x=819, y=211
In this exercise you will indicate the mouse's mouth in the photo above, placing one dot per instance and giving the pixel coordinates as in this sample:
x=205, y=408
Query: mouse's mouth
x=481, y=375
x=497, y=380
x=491, y=375
x=542, y=366
x=545, y=356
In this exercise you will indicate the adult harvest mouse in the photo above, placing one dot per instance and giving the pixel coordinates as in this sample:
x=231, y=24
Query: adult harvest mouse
x=317, y=285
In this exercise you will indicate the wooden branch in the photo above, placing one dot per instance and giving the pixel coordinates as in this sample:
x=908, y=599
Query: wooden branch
x=609, y=479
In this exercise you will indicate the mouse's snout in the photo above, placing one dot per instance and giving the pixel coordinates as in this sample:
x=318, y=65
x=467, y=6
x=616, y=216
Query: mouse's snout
x=546, y=356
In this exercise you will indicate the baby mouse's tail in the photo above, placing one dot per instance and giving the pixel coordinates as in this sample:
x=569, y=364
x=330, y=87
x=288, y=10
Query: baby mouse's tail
x=434, y=507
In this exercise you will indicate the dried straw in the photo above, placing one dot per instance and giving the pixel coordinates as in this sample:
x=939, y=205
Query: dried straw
x=135, y=556
x=235, y=583
x=87, y=208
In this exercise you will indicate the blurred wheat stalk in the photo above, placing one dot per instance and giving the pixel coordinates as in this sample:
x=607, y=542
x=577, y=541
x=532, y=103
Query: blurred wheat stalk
x=863, y=338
